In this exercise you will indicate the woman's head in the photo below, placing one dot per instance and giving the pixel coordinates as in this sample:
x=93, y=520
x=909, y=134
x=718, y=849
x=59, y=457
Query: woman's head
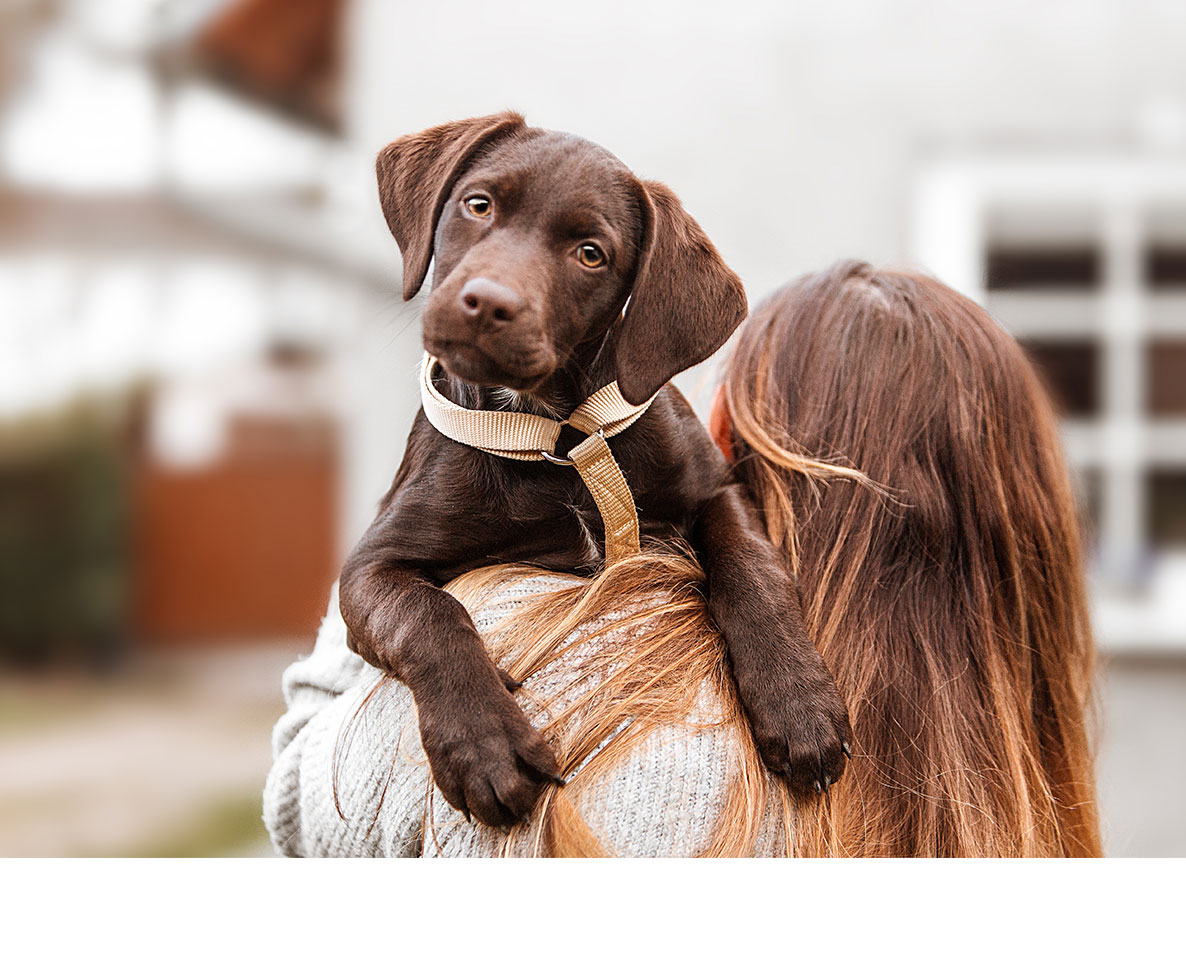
x=948, y=599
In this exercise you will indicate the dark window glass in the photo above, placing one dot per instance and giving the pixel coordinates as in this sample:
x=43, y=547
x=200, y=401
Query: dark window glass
x=1165, y=265
x=1012, y=267
x=1167, y=508
x=1070, y=369
x=1165, y=363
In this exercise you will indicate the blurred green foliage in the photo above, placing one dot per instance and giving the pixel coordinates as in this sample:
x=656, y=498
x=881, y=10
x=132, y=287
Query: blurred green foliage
x=64, y=536
x=231, y=827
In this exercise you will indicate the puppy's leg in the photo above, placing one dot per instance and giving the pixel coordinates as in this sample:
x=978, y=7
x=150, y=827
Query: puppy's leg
x=485, y=756
x=798, y=718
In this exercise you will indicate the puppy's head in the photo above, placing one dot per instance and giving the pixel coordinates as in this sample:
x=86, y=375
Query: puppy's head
x=539, y=238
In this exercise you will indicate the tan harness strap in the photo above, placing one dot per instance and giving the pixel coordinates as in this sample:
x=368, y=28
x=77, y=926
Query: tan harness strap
x=610, y=490
x=532, y=437
x=606, y=411
x=505, y=433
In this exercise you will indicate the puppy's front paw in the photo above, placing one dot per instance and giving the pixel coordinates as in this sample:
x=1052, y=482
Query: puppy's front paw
x=486, y=758
x=802, y=730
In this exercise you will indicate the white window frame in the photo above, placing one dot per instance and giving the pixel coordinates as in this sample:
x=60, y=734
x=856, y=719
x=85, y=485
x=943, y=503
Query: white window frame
x=1139, y=603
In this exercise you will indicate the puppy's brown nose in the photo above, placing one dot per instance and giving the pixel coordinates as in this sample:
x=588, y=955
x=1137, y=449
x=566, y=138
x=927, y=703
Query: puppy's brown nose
x=489, y=304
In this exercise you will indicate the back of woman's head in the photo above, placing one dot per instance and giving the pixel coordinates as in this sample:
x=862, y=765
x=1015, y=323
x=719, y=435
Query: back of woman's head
x=948, y=602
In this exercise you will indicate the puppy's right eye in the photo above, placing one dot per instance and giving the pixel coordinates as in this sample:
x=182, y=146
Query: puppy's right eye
x=479, y=205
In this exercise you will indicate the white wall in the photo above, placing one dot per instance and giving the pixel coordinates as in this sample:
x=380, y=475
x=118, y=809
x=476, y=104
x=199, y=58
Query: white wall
x=789, y=129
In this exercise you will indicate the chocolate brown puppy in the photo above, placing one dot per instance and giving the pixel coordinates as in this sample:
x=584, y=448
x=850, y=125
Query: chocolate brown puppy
x=557, y=272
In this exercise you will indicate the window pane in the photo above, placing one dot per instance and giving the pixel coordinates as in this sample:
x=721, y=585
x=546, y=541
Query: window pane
x=1167, y=508
x=1071, y=371
x=1165, y=251
x=1165, y=362
x=1019, y=267
x=1165, y=265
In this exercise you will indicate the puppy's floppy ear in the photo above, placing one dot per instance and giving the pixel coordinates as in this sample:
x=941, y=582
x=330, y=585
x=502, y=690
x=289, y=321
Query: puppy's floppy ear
x=685, y=302
x=416, y=173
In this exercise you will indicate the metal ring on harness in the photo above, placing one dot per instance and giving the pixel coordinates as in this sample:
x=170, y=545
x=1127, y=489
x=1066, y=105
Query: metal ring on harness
x=557, y=460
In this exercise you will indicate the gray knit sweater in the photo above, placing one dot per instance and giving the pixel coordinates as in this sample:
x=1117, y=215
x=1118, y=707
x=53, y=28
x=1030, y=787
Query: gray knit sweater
x=662, y=801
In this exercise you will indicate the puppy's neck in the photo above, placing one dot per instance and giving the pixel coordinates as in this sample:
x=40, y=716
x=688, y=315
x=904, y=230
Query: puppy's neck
x=557, y=397
x=506, y=399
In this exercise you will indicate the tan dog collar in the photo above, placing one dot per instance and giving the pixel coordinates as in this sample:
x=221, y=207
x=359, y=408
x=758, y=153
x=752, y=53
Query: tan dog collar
x=533, y=437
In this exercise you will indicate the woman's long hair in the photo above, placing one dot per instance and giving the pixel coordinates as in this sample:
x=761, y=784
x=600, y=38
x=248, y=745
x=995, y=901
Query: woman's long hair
x=942, y=582
x=951, y=607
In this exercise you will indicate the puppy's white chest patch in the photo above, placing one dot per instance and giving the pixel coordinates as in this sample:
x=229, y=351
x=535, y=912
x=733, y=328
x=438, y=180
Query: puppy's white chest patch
x=587, y=523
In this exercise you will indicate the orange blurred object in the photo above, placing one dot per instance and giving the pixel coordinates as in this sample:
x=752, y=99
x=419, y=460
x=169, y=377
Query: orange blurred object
x=243, y=548
x=285, y=52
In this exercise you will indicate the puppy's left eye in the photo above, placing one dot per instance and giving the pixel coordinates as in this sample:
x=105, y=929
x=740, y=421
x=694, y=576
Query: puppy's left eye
x=590, y=255
x=479, y=205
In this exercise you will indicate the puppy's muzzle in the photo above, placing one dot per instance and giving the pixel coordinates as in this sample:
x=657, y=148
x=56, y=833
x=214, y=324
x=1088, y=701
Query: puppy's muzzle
x=487, y=333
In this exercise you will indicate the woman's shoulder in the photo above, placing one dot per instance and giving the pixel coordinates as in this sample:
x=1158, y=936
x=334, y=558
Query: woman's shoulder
x=351, y=777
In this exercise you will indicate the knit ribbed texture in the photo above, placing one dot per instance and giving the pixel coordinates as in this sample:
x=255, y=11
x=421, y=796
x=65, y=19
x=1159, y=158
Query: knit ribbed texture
x=665, y=799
